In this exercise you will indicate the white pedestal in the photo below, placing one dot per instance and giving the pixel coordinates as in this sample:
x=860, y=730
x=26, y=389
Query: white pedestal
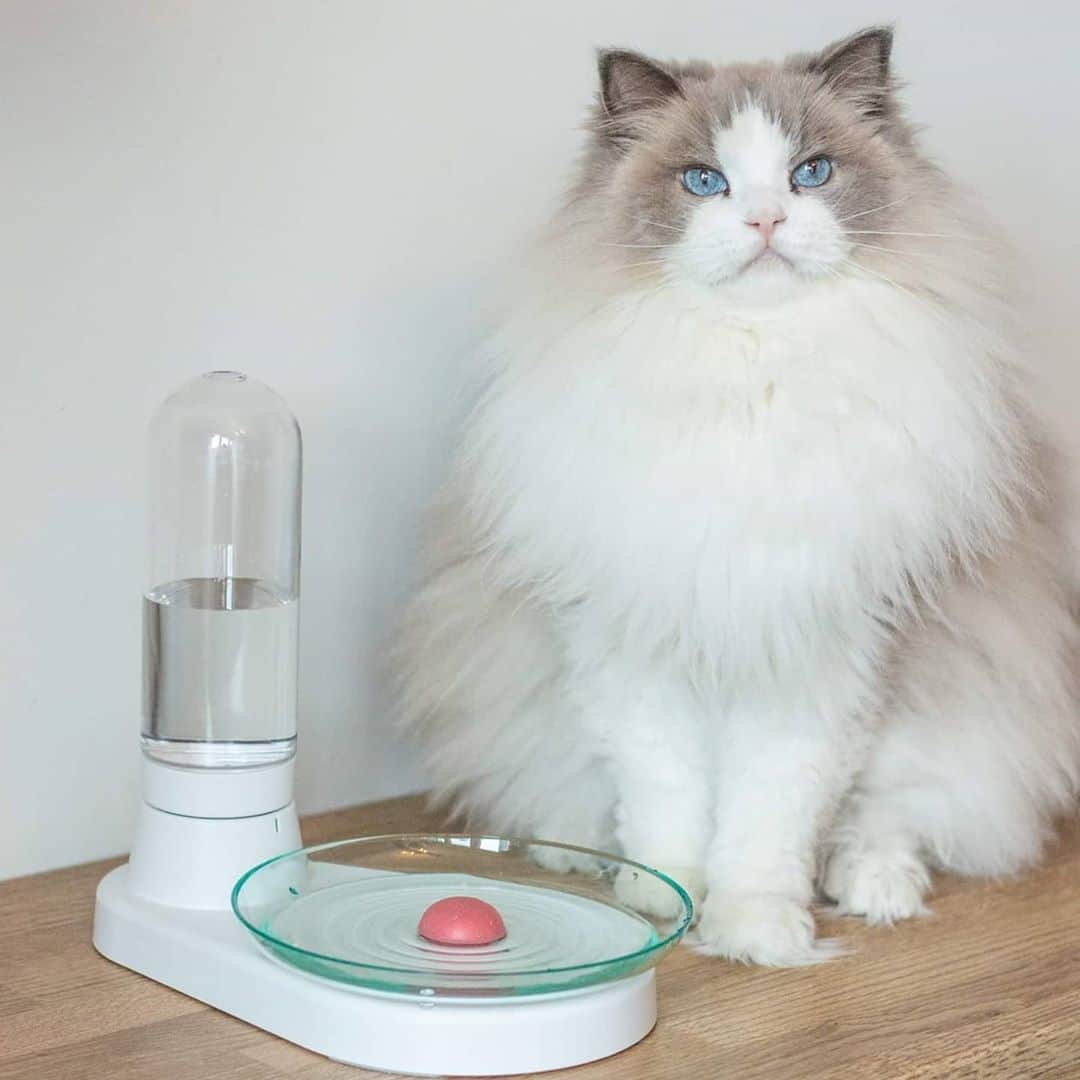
x=208, y=955
x=198, y=830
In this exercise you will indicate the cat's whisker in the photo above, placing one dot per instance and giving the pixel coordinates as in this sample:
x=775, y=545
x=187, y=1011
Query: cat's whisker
x=973, y=241
x=892, y=251
x=875, y=209
x=921, y=300
x=665, y=283
x=660, y=225
x=860, y=269
x=657, y=247
x=644, y=262
x=897, y=232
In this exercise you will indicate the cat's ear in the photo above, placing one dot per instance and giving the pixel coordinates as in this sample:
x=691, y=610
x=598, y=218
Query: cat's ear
x=858, y=68
x=630, y=86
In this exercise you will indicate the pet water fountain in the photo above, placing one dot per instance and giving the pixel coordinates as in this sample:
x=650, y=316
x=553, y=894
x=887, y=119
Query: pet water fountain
x=426, y=954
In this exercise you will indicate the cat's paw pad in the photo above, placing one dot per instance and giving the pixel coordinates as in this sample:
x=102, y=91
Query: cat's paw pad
x=881, y=887
x=760, y=928
x=651, y=896
x=565, y=860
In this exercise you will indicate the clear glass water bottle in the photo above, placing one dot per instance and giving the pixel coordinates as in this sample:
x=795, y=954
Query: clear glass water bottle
x=220, y=614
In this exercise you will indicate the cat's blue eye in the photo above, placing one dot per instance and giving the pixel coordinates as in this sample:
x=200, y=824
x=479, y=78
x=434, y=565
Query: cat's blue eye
x=812, y=173
x=703, y=181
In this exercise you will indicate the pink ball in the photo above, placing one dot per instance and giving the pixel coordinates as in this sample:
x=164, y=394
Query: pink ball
x=461, y=920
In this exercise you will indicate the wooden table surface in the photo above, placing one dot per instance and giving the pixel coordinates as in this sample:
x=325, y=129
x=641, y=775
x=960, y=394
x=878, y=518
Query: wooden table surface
x=989, y=986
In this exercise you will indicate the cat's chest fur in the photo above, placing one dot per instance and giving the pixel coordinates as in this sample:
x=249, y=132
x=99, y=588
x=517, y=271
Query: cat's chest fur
x=673, y=464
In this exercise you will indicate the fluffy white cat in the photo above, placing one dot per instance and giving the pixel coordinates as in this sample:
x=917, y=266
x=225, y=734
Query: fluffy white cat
x=748, y=565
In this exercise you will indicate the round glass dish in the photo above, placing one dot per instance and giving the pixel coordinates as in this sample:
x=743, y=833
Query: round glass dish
x=349, y=911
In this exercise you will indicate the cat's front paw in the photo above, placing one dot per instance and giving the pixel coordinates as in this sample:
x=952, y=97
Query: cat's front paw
x=760, y=928
x=565, y=860
x=883, y=887
x=651, y=896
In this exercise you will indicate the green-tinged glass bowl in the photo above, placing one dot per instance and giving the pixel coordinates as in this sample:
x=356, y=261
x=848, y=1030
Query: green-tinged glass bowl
x=349, y=911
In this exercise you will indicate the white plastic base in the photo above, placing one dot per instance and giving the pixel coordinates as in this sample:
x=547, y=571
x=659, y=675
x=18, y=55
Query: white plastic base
x=193, y=862
x=198, y=830
x=209, y=956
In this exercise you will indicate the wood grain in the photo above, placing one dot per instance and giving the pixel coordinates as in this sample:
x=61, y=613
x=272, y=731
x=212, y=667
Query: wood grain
x=987, y=987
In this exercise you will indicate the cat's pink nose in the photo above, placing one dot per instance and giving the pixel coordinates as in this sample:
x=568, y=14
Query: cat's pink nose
x=765, y=221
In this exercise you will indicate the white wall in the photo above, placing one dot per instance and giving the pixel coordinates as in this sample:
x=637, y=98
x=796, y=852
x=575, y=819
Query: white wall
x=319, y=193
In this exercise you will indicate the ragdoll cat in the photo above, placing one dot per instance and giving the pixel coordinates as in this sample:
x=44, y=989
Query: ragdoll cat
x=748, y=564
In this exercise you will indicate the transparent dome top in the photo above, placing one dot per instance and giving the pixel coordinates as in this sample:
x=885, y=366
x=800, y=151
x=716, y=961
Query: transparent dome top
x=220, y=611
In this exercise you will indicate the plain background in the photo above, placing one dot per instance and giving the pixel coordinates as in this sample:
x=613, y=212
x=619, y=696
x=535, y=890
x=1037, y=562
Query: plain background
x=323, y=194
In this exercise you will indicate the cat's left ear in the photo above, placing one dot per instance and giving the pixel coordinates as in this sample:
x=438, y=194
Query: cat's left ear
x=631, y=86
x=858, y=68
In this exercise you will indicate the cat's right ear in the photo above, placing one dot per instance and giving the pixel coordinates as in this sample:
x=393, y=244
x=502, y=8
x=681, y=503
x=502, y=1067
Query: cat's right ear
x=631, y=86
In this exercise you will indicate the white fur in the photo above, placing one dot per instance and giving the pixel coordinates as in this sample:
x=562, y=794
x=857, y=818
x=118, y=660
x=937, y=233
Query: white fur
x=737, y=583
x=756, y=157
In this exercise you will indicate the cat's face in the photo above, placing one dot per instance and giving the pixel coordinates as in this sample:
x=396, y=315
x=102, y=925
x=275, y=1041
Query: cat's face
x=752, y=179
